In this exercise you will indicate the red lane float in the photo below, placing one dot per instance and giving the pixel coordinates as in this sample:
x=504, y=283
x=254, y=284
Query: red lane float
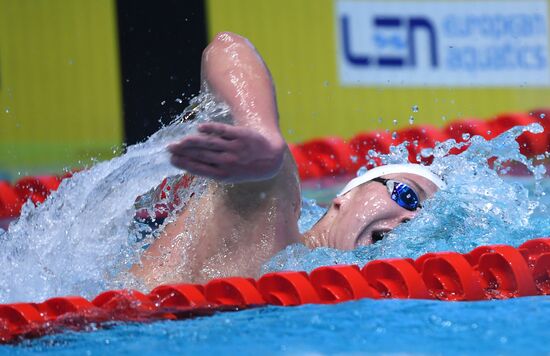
x=362, y=143
x=10, y=203
x=37, y=189
x=420, y=137
x=330, y=157
x=487, y=272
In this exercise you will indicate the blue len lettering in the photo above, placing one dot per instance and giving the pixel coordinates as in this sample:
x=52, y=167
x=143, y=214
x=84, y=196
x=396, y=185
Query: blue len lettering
x=381, y=26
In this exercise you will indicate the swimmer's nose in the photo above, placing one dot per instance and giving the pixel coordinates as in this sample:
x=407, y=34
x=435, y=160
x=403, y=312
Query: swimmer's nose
x=406, y=216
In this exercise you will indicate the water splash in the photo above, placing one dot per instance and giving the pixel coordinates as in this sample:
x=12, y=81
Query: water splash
x=79, y=240
x=478, y=207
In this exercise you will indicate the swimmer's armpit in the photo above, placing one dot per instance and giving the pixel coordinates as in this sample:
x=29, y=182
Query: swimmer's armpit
x=231, y=154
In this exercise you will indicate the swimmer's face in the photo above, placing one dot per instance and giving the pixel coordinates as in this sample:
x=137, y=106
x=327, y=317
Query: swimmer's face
x=367, y=212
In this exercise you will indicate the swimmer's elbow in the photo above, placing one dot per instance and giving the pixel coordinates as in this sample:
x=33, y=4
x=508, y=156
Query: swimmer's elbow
x=227, y=37
x=223, y=40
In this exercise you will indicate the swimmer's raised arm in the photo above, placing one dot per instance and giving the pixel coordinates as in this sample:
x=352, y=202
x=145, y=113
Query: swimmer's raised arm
x=254, y=148
x=230, y=229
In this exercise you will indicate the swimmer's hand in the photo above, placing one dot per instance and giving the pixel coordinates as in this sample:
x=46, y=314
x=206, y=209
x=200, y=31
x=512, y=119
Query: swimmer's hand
x=231, y=154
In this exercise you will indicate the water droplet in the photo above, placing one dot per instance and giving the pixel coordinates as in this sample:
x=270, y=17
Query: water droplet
x=353, y=159
x=443, y=118
x=7, y=110
x=465, y=136
x=361, y=171
x=415, y=108
x=394, y=122
x=411, y=120
x=179, y=101
x=394, y=135
x=542, y=116
x=163, y=102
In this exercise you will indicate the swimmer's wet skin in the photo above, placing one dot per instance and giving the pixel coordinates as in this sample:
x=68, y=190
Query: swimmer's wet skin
x=250, y=209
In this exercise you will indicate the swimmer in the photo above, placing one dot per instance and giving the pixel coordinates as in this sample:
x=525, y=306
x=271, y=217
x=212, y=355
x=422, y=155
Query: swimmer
x=250, y=209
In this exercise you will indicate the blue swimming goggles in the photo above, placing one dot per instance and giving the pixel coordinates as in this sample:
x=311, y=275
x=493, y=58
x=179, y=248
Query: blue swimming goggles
x=401, y=193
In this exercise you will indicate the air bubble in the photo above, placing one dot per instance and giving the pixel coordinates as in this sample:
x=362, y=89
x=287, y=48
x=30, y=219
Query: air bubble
x=411, y=120
x=179, y=101
x=542, y=116
x=415, y=108
x=394, y=122
x=465, y=136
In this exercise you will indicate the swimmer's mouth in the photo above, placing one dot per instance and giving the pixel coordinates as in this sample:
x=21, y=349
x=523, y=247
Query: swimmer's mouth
x=373, y=237
x=378, y=235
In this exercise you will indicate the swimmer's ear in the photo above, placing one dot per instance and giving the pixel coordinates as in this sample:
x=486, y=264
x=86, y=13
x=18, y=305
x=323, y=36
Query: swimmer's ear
x=342, y=200
x=337, y=202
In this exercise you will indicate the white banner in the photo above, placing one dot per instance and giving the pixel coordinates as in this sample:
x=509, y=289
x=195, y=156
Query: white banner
x=419, y=43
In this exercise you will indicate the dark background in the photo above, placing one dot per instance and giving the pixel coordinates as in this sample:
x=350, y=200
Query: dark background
x=160, y=53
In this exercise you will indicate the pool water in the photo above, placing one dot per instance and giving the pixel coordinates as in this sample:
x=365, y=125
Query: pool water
x=366, y=326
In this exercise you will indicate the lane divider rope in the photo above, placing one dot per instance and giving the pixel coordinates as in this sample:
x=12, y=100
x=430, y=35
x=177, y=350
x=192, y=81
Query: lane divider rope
x=486, y=272
x=333, y=156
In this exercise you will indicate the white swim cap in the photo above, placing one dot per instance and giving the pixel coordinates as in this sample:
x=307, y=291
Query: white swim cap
x=410, y=168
